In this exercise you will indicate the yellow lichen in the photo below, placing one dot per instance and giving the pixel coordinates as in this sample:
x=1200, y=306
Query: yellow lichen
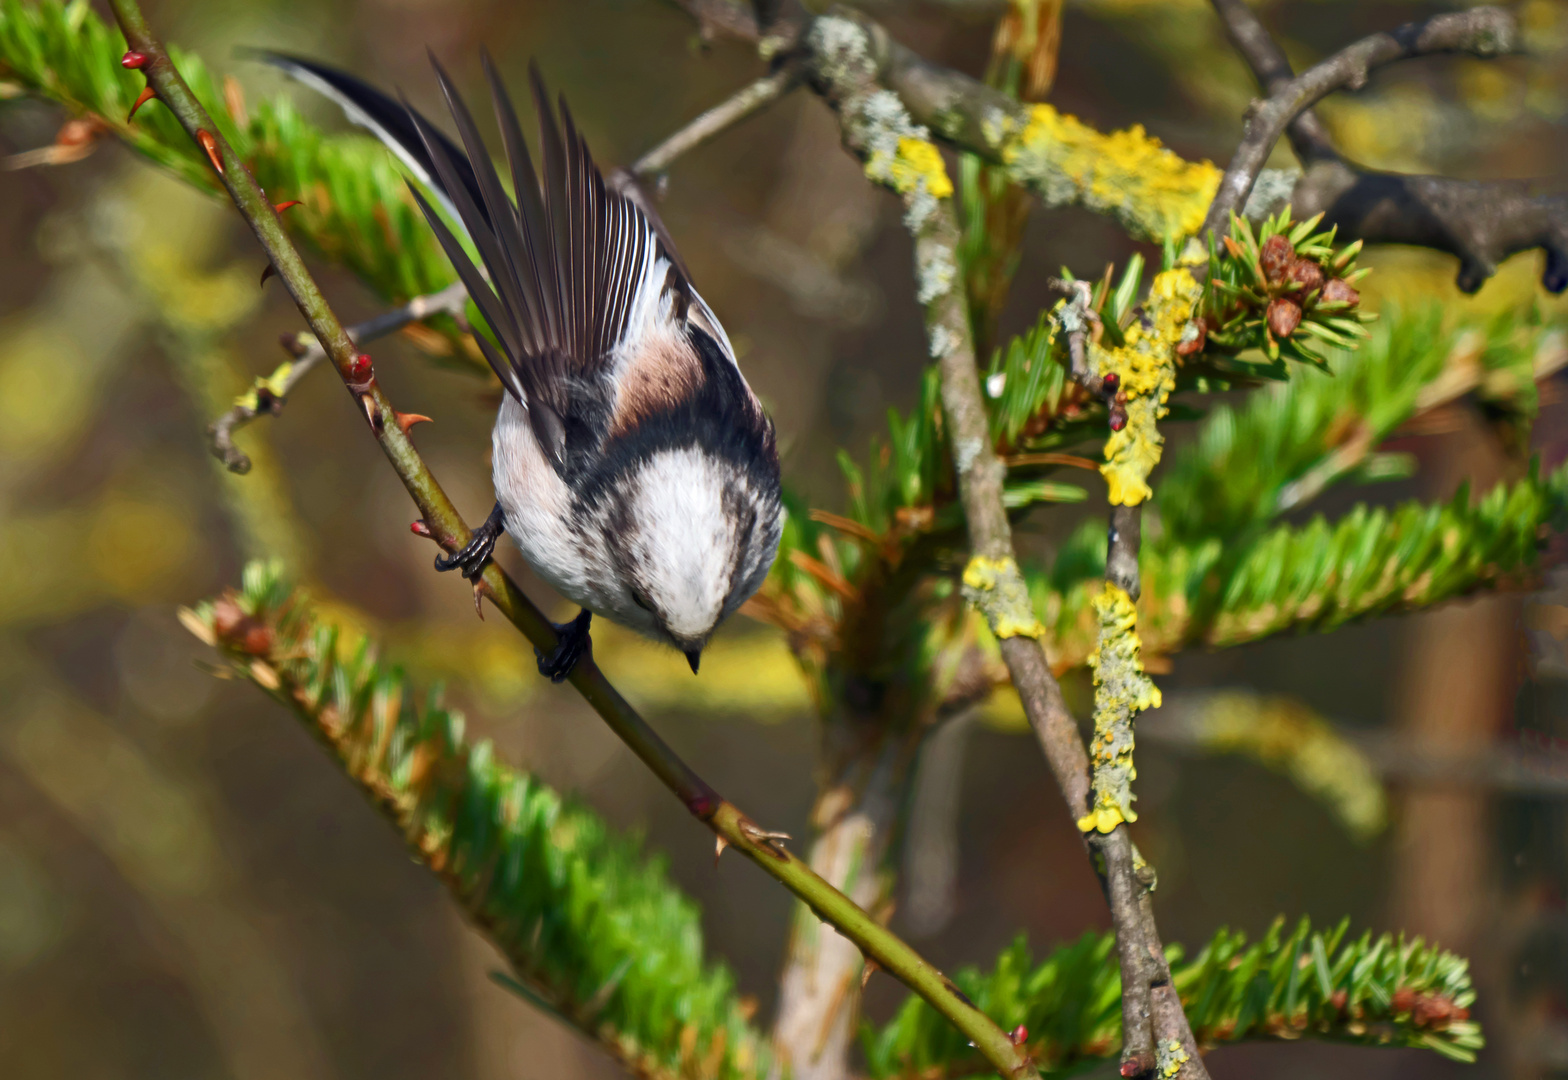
x=275, y=384
x=1146, y=366
x=918, y=160
x=997, y=590
x=1172, y=1056
x=1154, y=193
x=1121, y=692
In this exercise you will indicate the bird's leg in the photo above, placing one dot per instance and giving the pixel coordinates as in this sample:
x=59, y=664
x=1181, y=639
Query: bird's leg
x=476, y=553
x=573, y=645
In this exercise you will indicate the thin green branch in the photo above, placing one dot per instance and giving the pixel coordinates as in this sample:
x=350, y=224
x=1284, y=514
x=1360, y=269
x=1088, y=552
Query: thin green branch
x=445, y=525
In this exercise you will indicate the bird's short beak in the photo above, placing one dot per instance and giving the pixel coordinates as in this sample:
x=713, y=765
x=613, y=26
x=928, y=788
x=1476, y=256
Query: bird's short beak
x=694, y=657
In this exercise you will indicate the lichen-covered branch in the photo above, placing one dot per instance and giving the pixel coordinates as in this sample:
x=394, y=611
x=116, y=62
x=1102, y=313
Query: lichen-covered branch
x=1480, y=221
x=1155, y=194
x=896, y=152
x=1482, y=31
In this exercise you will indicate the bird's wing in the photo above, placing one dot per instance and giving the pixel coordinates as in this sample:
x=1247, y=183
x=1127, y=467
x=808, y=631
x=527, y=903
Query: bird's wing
x=571, y=264
x=385, y=118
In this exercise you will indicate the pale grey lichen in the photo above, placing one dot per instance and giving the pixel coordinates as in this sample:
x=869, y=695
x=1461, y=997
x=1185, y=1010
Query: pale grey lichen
x=1271, y=193
x=965, y=453
x=943, y=341
x=935, y=271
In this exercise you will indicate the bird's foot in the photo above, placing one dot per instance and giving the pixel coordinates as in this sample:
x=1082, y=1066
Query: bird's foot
x=475, y=555
x=573, y=644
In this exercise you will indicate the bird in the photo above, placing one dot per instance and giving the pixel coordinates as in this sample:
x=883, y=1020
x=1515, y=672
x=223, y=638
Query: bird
x=634, y=467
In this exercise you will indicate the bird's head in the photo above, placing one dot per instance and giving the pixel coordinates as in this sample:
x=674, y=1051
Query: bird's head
x=695, y=541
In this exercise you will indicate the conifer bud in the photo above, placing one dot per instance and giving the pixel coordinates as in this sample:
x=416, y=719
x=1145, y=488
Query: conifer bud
x=1276, y=257
x=1283, y=317
x=1339, y=291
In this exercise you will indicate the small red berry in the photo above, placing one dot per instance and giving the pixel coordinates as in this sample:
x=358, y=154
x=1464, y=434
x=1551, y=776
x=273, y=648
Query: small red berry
x=1200, y=338
x=133, y=59
x=360, y=368
x=1020, y=1035
x=1111, y=382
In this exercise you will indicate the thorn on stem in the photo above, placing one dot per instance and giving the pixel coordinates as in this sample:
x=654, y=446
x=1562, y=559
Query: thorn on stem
x=764, y=838
x=865, y=972
x=147, y=94
x=718, y=848
x=268, y=271
x=406, y=420
x=282, y=206
x=133, y=59
x=372, y=414
x=210, y=144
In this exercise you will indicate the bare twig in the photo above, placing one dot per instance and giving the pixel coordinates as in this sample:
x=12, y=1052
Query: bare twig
x=745, y=103
x=268, y=399
x=1480, y=221
x=1483, y=31
x=446, y=526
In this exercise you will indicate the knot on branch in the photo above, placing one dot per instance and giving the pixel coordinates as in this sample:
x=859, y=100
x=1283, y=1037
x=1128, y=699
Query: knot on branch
x=1121, y=692
x=997, y=590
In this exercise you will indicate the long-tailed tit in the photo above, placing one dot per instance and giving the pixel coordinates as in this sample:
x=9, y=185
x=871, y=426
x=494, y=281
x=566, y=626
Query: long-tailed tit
x=633, y=465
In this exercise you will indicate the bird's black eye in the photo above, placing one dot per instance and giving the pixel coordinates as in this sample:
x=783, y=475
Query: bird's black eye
x=641, y=601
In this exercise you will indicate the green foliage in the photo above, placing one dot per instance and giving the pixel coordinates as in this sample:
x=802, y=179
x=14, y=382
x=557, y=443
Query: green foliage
x=1386, y=991
x=1313, y=577
x=1218, y=566
x=1287, y=442
x=1275, y=290
x=593, y=928
x=356, y=208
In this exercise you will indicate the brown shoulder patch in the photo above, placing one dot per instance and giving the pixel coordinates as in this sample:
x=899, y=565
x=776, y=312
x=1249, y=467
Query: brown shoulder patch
x=662, y=371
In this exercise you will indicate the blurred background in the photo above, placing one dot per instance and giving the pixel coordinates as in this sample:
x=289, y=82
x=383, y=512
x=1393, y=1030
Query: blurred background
x=188, y=887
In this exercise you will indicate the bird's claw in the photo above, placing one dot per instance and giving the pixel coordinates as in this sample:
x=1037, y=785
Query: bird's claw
x=474, y=556
x=573, y=644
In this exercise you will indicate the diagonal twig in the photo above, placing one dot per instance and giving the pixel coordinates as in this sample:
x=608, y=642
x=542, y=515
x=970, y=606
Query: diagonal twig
x=446, y=526
x=1483, y=31
x=1481, y=222
x=268, y=396
x=745, y=103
